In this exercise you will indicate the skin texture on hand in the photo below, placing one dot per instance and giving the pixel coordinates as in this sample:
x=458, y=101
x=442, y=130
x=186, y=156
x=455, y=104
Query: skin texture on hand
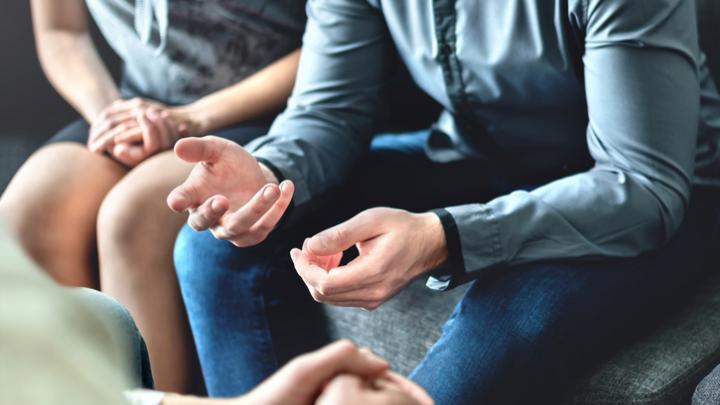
x=229, y=192
x=395, y=246
x=339, y=373
x=133, y=130
x=390, y=389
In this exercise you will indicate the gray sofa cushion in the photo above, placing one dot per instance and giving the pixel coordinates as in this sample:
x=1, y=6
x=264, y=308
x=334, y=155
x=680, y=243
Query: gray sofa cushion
x=708, y=391
x=662, y=368
x=403, y=329
x=665, y=366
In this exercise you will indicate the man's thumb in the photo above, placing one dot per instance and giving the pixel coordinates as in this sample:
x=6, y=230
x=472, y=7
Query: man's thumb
x=343, y=236
x=206, y=149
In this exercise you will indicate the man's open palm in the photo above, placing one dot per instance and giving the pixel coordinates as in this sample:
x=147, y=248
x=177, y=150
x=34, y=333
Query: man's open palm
x=228, y=191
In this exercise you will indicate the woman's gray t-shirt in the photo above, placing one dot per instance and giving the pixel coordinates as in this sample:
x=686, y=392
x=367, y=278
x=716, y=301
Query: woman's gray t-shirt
x=210, y=44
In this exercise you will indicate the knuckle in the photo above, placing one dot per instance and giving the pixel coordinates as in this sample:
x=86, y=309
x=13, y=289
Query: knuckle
x=338, y=234
x=251, y=240
x=380, y=294
x=192, y=223
x=257, y=209
x=316, y=296
x=239, y=241
x=323, y=289
x=262, y=230
x=302, y=365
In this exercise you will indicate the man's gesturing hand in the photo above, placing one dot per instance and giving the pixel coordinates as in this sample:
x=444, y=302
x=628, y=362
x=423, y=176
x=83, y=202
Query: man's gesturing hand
x=395, y=246
x=229, y=192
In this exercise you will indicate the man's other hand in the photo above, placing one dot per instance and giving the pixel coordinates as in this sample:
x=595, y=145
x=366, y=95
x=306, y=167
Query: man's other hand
x=395, y=246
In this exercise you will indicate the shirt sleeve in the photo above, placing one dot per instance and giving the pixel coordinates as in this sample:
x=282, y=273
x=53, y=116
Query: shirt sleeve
x=330, y=117
x=642, y=91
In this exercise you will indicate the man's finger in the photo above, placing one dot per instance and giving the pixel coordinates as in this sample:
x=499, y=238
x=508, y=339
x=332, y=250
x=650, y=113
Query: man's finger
x=341, y=237
x=326, y=262
x=356, y=275
x=310, y=273
x=184, y=197
x=273, y=215
x=207, y=149
x=246, y=216
x=209, y=213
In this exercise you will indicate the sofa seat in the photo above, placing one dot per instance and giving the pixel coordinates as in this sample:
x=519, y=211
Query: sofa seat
x=664, y=367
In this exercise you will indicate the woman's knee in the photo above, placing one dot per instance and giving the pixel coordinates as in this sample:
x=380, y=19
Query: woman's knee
x=59, y=188
x=123, y=214
x=134, y=213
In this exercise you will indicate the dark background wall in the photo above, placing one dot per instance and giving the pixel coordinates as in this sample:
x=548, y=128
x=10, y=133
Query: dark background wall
x=31, y=111
x=28, y=103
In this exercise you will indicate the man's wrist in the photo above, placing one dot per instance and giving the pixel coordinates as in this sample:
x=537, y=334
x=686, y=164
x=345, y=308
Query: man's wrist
x=269, y=174
x=436, y=243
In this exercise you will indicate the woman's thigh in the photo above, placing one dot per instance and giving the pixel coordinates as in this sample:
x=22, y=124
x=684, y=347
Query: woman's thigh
x=52, y=204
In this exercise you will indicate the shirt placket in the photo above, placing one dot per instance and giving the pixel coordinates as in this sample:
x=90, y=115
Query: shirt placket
x=445, y=16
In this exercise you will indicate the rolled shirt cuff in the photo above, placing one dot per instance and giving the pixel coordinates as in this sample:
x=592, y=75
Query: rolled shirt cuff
x=280, y=178
x=282, y=166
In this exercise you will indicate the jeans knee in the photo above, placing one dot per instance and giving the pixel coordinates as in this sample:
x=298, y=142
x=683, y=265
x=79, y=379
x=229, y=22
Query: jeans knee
x=197, y=253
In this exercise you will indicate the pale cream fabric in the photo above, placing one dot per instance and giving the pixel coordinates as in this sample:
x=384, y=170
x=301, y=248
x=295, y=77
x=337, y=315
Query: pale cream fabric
x=53, y=348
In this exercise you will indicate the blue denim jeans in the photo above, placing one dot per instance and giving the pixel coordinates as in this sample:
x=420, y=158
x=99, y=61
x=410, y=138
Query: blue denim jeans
x=521, y=334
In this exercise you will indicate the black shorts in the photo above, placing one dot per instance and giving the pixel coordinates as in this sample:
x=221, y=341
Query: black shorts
x=78, y=131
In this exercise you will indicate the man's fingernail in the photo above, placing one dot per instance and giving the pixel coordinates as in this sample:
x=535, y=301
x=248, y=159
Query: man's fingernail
x=293, y=254
x=215, y=205
x=284, y=185
x=269, y=193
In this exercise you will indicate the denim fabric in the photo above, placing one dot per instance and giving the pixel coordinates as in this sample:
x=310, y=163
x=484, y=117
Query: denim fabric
x=520, y=334
x=237, y=302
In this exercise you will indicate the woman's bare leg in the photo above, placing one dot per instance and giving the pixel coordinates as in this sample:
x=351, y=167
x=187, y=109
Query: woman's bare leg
x=136, y=235
x=52, y=204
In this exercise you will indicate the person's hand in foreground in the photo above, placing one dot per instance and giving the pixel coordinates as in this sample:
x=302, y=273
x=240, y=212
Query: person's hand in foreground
x=229, y=192
x=132, y=130
x=339, y=373
x=390, y=389
x=395, y=246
